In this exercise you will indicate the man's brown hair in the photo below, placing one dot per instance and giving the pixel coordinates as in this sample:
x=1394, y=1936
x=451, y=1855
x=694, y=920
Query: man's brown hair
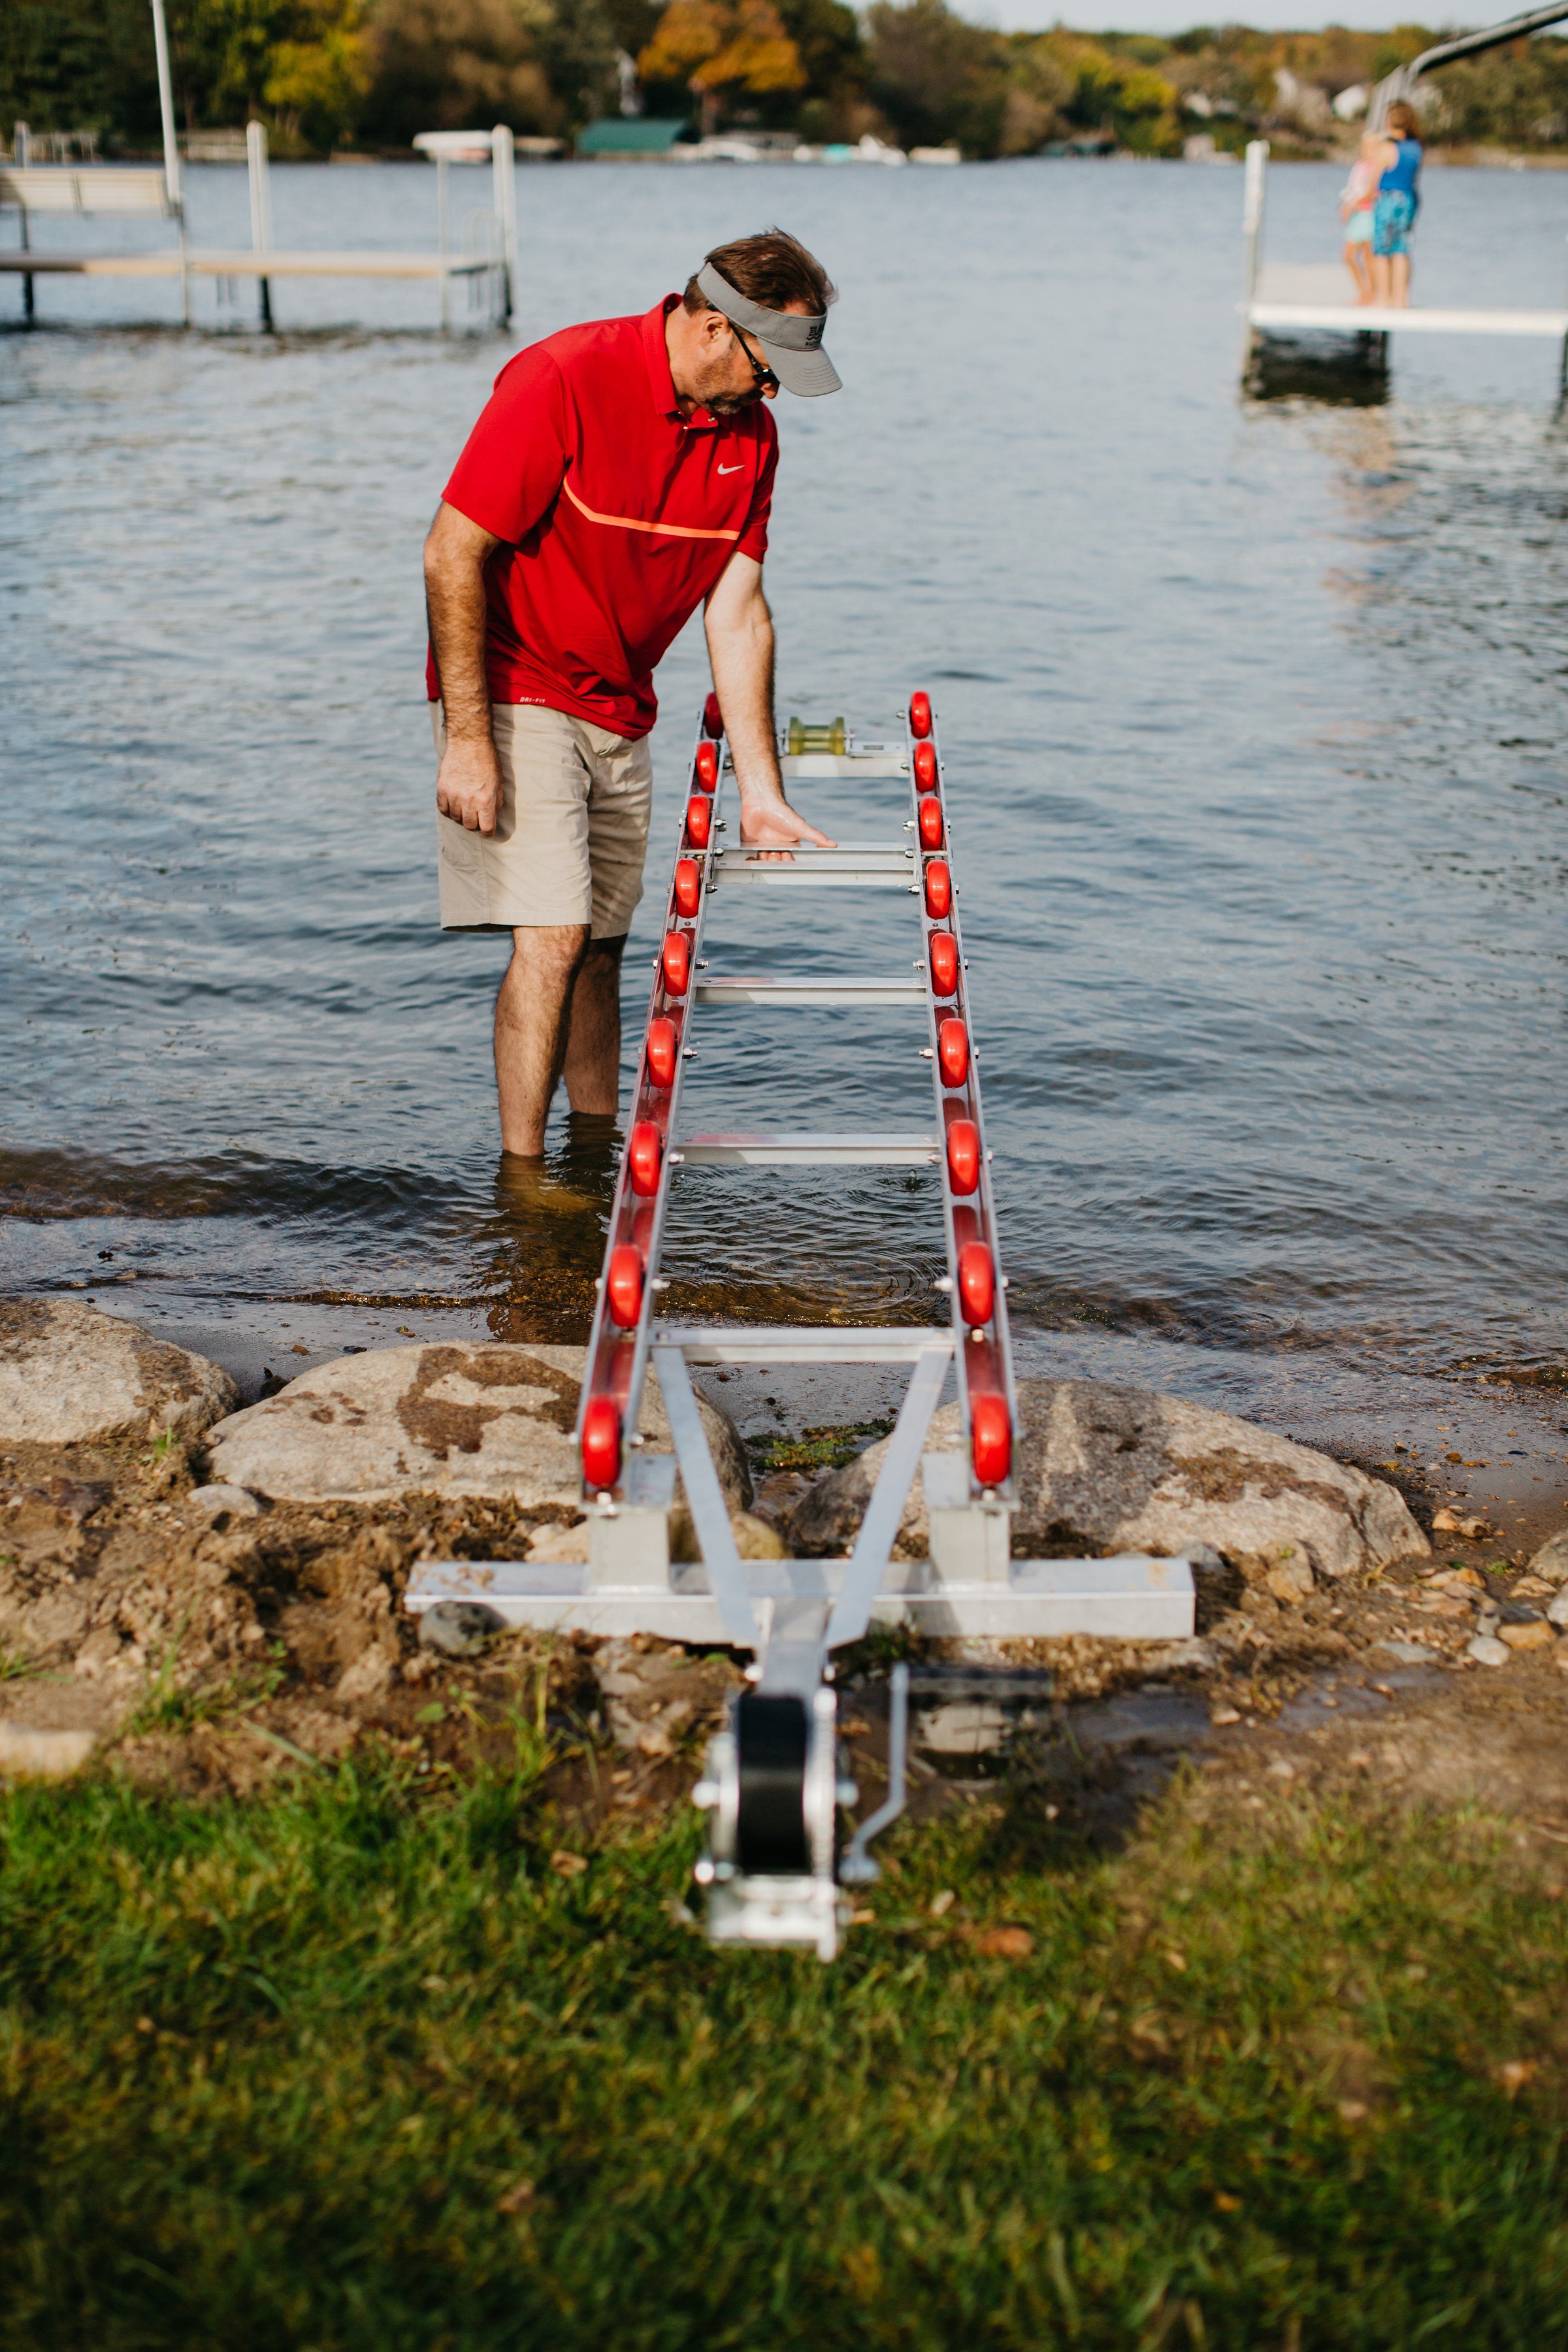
x=772, y=268
x=1401, y=120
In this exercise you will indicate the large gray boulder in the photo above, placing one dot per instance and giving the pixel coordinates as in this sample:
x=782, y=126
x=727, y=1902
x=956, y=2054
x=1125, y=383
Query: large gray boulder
x=1101, y=1469
x=70, y=1375
x=454, y=1419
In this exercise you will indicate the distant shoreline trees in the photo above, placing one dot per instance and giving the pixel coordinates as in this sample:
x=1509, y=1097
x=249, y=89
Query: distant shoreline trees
x=332, y=74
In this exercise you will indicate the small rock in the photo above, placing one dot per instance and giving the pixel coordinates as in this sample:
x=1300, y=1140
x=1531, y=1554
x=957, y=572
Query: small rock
x=561, y=1544
x=1449, y=1522
x=1533, y=1636
x=1409, y=1653
x=1551, y=1560
x=214, y=1502
x=1558, y=1611
x=42, y=1755
x=1220, y=1715
x=72, y=1375
x=1532, y=1588
x=1004, y=1943
x=1456, y=1580
x=1487, y=1651
x=1290, y=1581
x=567, y=1866
x=1283, y=1768
x=460, y=1629
x=369, y=1676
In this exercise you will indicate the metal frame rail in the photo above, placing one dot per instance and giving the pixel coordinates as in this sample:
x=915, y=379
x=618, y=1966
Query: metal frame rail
x=775, y=1786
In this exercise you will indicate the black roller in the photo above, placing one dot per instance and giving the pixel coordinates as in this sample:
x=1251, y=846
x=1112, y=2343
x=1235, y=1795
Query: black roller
x=769, y=1749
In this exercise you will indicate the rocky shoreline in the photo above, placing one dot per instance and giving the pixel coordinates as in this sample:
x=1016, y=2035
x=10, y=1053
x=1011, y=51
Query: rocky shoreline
x=203, y=1595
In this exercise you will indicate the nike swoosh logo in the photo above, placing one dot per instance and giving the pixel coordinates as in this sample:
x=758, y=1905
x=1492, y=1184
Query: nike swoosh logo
x=729, y=469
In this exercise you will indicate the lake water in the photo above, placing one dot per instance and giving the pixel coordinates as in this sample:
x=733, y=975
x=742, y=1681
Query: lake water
x=1253, y=717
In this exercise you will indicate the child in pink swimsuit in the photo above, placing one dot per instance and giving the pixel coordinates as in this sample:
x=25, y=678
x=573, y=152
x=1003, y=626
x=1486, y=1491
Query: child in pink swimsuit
x=1358, y=203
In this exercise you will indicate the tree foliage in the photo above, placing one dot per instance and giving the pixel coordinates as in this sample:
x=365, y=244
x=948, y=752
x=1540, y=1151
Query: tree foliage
x=326, y=72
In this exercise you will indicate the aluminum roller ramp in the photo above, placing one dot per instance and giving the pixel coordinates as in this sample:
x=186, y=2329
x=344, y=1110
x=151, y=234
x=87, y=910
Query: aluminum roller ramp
x=775, y=1869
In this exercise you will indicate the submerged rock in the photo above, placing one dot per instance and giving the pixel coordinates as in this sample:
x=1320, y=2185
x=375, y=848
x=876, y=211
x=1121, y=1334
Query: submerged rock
x=1103, y=1468
x=455, y=1419
x=70, y=1375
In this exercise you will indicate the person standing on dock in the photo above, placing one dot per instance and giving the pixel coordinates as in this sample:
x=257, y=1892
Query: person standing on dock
x=1358, y=202
x=621, y=474
x=1394, y=215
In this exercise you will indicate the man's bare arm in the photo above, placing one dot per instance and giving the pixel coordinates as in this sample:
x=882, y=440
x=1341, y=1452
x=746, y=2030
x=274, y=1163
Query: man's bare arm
x=468, y=786
x=740, y=650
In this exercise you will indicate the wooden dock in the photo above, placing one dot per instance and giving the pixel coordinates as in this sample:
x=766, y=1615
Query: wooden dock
x=1315, y=298
x=169, y=262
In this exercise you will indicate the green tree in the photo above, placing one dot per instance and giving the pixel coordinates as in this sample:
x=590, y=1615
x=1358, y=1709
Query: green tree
x=936, y=77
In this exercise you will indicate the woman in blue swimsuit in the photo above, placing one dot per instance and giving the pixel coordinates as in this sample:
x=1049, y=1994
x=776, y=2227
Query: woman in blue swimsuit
x=1394, y=215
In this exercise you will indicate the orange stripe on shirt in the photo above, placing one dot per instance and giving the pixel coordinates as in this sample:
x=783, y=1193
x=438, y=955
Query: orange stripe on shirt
x=629, y=522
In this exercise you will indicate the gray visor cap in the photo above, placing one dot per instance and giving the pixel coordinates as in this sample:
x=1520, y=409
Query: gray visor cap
x=792, y=345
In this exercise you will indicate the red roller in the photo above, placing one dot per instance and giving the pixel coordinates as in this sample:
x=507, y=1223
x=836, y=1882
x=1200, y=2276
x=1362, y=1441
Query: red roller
x=944, y=951
x=601, y=1443
x=644, y=1152
x=976, y=1284
x=920, y=714
x=962, y=1155
x=925, y=767
x=990, y=1439
x=931, y=823
x=698, y=820
x=688, y=886
x=623, y=1286
x=662, y=1048
x=953, y=1052
x=938, y=890
x=712, y=721
x=675, y=961
x=707, y=766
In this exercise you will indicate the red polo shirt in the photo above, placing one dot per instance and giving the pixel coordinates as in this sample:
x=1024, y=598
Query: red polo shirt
x=617, y=516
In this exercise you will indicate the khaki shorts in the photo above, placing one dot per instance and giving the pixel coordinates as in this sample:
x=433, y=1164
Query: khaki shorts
x=570, y=841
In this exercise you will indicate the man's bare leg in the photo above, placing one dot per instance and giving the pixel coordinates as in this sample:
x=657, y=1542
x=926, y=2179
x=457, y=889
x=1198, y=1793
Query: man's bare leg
x=593, y=1063
x=1399, y=282
x=533, y=1010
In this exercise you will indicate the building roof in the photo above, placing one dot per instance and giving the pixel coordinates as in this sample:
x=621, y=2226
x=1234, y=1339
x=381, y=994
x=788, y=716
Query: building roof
x=631, y=134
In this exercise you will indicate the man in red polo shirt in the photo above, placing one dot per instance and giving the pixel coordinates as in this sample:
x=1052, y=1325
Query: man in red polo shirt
x=621, y=475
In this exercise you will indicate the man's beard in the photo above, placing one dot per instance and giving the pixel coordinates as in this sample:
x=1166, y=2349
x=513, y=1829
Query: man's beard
x=727, y=404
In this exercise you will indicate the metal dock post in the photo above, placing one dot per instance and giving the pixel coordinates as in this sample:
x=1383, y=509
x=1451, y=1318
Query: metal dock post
x=260, y=208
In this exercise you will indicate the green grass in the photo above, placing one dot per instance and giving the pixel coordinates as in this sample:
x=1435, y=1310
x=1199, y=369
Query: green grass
x=356, y=2067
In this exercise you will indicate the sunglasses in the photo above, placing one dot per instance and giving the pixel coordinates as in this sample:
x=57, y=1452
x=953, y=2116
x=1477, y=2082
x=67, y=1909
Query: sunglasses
x=766, y=380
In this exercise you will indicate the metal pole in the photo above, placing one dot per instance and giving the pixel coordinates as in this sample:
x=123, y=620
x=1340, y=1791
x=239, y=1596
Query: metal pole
x=166, y=108
x=260, y=208
x=1252, y=236
x=503, y=178
x=441, y=239
x=19, y=138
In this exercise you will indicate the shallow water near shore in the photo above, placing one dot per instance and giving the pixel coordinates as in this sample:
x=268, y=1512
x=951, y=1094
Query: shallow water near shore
x=1252, y=715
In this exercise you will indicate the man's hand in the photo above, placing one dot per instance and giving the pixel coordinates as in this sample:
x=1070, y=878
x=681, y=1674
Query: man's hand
x=468, y=784
x=741, y=648
x=771, y=824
